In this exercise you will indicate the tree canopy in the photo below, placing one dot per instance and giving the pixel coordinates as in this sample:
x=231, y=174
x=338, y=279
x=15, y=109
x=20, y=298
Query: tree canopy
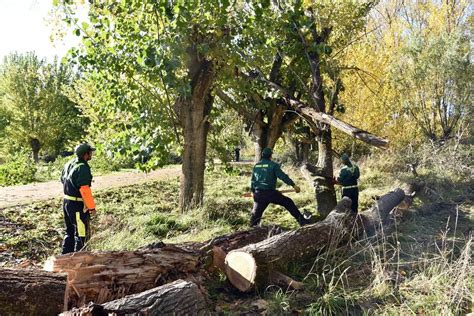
x=37, y=113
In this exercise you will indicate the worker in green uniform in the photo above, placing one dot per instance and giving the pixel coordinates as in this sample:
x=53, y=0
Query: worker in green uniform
x=78, y=203
x=263, y=187
x=348, y=176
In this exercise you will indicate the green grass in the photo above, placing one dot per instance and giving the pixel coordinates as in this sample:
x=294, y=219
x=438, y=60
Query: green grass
x=134, y=216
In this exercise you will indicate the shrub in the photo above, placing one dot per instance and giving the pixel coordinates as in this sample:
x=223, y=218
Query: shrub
x=19, y=169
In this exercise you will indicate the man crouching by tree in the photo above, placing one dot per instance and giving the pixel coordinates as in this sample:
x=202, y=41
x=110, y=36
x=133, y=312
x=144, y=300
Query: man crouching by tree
x=263, y=187
x=78, y=202
x=348, y=180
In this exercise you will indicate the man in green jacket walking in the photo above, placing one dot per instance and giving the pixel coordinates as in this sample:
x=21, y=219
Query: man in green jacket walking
x=347, y=178
x=263, y=187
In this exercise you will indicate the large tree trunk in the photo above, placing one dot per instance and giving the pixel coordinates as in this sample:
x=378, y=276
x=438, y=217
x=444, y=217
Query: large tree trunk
x=267, y=134
x=103, y=276
x=256, y=265
x=32, y=292
x=35, y=148
x=252, y=265
x=194, y=112
x=324, y=186
x=176, y=298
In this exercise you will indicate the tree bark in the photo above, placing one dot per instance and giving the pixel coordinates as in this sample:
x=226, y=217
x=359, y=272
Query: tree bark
x=267, y=134
x=324, y=189
x=302, y=150
x=254, y=265
x=320, y=177
x=193, y=112
x=35, y=148
x=32, y=292
x=387, y=209
x=176, y=298
x=323, y=185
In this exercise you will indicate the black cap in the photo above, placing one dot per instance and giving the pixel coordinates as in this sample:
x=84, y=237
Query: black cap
x=82, y=149
x=266, y=152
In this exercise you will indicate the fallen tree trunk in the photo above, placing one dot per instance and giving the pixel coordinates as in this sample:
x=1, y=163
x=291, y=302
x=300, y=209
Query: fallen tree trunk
x=387, y=209
x=32, y=292
x=255, y=265
x=176, y=298
x=103, y=276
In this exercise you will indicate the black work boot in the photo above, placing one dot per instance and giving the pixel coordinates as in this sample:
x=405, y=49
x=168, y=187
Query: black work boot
x=306, y=218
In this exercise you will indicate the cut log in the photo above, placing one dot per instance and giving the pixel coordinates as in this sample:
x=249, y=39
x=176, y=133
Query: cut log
x=253, y=265
x=31, y=292
x=378, y=217
x=176, y=298
x=103, y=276
x=220, y=246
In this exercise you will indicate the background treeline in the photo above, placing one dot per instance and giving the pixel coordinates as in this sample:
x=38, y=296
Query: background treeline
x=134, y=87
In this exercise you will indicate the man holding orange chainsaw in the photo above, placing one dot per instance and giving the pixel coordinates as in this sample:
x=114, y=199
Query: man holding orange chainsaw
x=78, y=202
x=263, y=187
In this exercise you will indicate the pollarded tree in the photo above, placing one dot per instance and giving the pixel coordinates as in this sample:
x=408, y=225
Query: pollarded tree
x=39, y=114
x=170, y=51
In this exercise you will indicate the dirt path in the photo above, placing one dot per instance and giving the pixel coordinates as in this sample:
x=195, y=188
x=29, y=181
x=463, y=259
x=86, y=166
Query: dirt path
x=24, y=194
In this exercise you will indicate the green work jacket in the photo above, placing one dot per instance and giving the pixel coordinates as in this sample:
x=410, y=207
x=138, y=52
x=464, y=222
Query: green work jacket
x=348, y=175
x=75, y=174
x=265, y=174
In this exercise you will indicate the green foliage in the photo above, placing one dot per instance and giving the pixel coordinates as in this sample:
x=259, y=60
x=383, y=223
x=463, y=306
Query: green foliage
x=434, y=77
x=19, y=168
x=38, y=114
x=279, y=302
x=226, y=133
x=137, y=60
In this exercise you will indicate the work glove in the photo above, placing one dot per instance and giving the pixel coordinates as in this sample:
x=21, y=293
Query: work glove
x=297, y=189
x=91, y=211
